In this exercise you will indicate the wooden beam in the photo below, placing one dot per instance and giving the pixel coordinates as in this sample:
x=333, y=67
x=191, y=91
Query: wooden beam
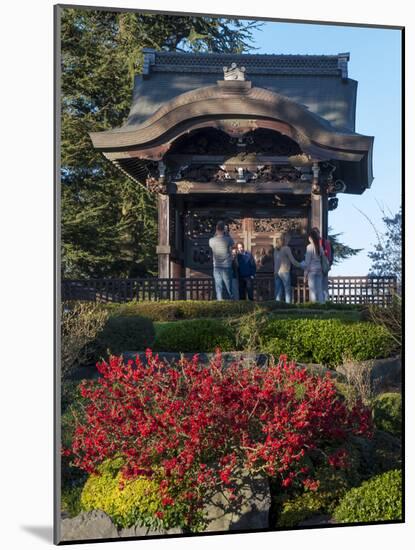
x=163, y=248
x=187, y=187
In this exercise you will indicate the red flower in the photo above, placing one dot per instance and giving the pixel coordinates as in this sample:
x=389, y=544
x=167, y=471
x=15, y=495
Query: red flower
x=190, y=426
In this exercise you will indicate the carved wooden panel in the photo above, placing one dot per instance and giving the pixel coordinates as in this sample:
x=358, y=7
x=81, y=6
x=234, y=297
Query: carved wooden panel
x=257, y=229
x=281, y=225
x=200, y=226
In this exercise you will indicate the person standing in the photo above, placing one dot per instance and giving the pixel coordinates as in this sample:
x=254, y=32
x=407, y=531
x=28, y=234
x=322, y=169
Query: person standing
x=283, y=260
x=235, y=274
x=328, y=251
x=313, y=271
x=221, y=245
x=247, y=272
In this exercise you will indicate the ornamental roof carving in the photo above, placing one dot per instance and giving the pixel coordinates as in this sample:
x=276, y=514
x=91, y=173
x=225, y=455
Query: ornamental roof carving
x=308, y=98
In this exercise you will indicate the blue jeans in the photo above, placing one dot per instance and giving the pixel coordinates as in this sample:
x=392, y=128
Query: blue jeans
x=283, y=286
x=222, y=276
x=315, y=286
x=325, y=285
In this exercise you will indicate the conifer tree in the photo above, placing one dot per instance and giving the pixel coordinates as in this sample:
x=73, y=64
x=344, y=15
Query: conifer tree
x=109, y=223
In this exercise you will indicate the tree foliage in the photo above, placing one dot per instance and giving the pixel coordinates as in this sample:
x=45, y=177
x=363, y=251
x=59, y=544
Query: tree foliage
x=387, y=254
x=341, y=251
x=109, y=223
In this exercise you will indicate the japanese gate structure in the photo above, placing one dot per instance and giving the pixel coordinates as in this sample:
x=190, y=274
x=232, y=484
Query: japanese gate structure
x=266, y=143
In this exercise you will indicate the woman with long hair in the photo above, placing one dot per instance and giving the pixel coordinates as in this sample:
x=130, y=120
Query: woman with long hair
x=283, y=261
x=312, y=267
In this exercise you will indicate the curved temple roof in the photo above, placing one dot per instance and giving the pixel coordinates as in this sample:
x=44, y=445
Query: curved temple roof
x=196, y=93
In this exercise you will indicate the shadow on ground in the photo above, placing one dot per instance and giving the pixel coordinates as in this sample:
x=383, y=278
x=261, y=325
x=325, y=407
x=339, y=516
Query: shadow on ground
x=43, y=532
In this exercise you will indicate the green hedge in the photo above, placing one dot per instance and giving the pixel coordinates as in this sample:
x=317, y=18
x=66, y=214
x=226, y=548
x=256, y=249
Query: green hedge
x=188, y=309
x=378, y=499
x=326, y=341
x=317, y=340
x=387, y=413
x=179, y=310
x=198, y=335
x=124, y=333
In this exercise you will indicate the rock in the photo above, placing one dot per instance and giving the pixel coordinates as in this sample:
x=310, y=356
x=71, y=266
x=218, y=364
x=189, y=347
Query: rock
x=249, y=511
x=87, y=526
x=97, y=525
x=387, y=452
x=319, y=370
x=381, y=453
x=204, y=358
x=383, y=372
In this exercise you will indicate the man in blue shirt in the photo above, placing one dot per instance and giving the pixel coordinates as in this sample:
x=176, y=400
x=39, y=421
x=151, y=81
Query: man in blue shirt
x=247, y=271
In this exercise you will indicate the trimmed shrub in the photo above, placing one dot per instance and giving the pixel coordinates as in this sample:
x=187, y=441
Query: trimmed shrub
x=379, y=499
x=188, y=309
x=387, y=413
x=326, y=341
x=127, y=502
x=198, y=335
x=179, y=310
x=122, y=334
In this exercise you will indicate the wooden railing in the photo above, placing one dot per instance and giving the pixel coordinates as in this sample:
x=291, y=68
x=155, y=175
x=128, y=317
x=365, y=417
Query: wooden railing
x=346, y=290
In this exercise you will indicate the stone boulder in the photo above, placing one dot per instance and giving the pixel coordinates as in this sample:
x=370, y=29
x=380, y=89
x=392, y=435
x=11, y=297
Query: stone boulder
x=98, y=525
x=88, y=526
x=249, y=511
x=381, y=453
x=383, y=373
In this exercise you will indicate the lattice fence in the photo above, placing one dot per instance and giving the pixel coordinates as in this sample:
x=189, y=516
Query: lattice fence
x=346, y=290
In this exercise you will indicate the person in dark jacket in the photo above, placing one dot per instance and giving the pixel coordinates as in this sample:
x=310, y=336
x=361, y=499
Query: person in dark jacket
x=235, y=274
x=246, y=272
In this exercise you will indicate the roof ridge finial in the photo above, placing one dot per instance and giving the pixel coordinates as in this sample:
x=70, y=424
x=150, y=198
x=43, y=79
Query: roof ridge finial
x=234, y=72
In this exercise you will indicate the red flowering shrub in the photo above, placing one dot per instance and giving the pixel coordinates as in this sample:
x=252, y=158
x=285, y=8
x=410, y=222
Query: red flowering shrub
x=194, y=427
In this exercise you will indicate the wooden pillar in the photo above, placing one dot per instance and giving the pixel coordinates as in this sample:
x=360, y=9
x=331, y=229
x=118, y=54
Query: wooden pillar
x=325, y=216
x=317, y=206
x=316, y=211
x=176, y=257
x=163, y=248
x=319, y=203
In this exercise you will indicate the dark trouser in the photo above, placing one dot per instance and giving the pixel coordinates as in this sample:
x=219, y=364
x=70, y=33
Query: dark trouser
x=246, y=286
